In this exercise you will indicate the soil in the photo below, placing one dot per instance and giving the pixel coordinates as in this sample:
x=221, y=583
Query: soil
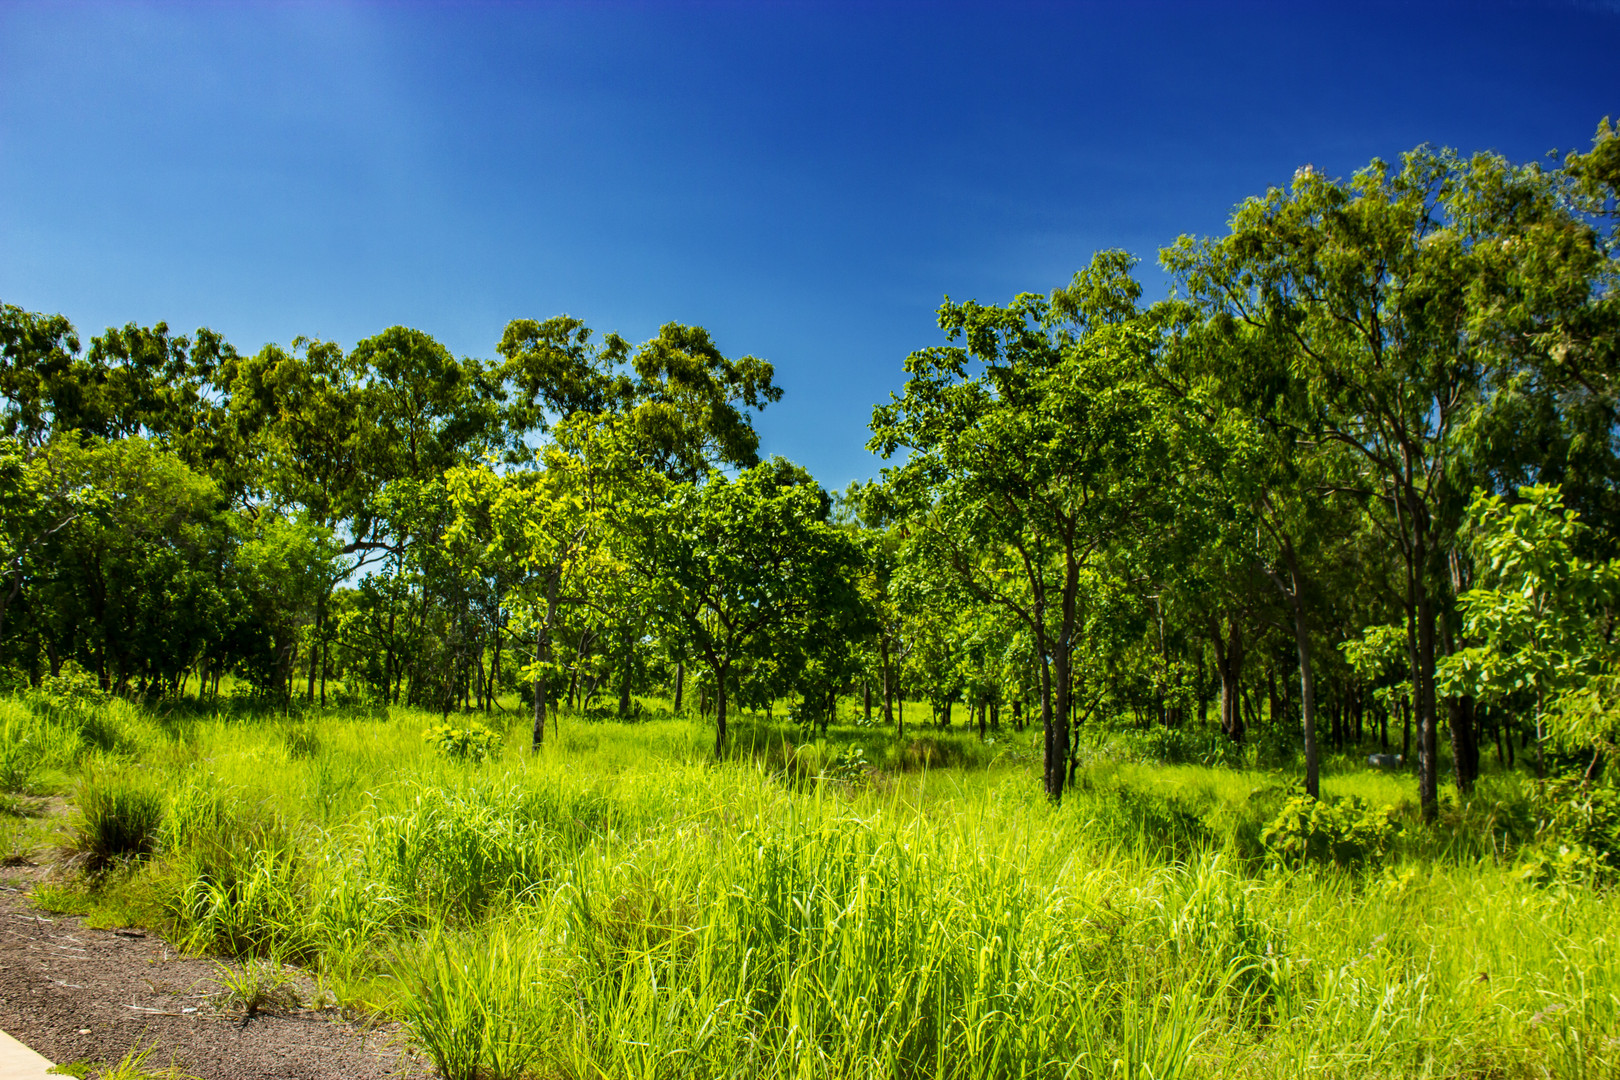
x=76, y=994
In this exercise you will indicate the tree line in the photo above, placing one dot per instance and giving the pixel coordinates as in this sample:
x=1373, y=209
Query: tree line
x=1354, y=480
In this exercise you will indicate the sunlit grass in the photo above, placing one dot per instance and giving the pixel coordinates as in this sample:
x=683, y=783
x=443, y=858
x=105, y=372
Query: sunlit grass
x=619, y=904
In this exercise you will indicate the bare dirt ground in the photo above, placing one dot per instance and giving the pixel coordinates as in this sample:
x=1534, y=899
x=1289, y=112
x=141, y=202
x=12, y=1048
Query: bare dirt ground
x=75, y=994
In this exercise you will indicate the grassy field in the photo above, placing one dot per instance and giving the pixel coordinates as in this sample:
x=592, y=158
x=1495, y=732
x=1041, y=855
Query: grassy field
x=620, y=905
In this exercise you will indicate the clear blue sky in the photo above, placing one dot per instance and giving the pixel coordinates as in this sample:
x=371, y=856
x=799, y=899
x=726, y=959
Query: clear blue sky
x=806, y=180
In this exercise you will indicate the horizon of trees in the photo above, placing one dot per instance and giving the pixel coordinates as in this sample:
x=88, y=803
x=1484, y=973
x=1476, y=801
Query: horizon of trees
x=1353, y=482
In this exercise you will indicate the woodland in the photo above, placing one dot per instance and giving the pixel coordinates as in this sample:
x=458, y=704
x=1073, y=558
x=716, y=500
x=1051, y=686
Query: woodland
x=1221, y=685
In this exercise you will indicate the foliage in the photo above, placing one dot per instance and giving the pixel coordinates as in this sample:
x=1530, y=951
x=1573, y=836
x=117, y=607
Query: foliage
x=1535, y=615
x=1345, y=832
x=1579, y=832
x=470, y=742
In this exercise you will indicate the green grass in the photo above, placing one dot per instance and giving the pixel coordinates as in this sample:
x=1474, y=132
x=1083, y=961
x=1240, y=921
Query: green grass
x=621, y=905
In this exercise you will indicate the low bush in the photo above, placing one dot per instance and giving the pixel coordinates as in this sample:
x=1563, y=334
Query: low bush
x=1578, y=835
x=471, y=742
x=1343, y=832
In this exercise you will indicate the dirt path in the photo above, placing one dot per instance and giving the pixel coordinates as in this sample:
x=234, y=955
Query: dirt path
x=76, y=994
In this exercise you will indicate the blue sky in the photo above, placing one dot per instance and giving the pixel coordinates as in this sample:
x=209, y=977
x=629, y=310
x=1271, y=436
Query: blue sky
x=807, y=180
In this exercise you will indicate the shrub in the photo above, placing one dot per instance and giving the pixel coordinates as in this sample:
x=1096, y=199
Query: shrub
x=73, y=700
x=1179, y=746
x=70, y=692
x=1345, y=832
x=1578, y=838
x=473, y=743
x=849, y=765
x=118, y=818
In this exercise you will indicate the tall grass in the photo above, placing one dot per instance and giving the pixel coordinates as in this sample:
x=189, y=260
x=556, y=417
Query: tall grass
x=621, y=905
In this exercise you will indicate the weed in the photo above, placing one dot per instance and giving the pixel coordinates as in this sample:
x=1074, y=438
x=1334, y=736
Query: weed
x=260, y=985
x=133, y=1066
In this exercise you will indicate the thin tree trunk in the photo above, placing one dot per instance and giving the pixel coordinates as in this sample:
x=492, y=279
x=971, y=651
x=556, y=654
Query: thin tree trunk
x=720, y=671
x=314, y=652
x=1295, y=593
x=627, y=665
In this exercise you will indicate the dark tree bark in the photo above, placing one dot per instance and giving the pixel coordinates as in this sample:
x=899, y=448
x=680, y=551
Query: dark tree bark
x=1229, y=654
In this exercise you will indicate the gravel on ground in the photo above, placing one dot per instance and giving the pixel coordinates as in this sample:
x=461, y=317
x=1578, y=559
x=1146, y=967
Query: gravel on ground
x=76, y=994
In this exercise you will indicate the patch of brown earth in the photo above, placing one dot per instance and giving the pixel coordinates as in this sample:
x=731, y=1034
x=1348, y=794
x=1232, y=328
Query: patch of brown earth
x=76, y=994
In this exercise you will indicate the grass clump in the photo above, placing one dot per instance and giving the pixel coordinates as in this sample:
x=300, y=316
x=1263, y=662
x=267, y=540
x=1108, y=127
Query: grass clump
x=479, y=1005
x=21, y=748
x=261, y=985
x=119, y=818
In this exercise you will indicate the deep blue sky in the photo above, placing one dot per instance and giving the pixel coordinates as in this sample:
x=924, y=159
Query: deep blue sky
x=806, y=180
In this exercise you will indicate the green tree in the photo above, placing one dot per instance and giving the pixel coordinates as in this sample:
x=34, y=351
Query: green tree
x=1031, y=449
x=1375, y=294
x=738, y=568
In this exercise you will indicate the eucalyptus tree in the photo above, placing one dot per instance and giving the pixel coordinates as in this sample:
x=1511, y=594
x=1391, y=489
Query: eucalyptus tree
x=1376, y=293
x=40, y=373
x=1541, y=619
x=740, y=567
x=682, y=404
x=142, y=585
x=1031, y=447
x=547, y=524
x=1264, y=496
x=40, y=495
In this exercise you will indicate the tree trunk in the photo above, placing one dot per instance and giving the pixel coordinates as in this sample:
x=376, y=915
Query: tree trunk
x=720, y=672
x=1295, y=592
x=539, y=738
x=888, y=688
x=542, y=655
x=315, y=648
x=1229, y=667
x=1057, y=769
x=680, y=684
x=1428, y=727
x=1464, y=742
x=626, y=670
